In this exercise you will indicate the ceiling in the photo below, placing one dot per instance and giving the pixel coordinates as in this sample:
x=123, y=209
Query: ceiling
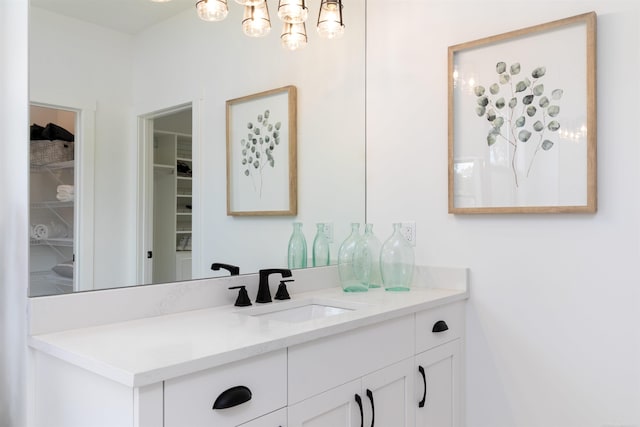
x=126, y=16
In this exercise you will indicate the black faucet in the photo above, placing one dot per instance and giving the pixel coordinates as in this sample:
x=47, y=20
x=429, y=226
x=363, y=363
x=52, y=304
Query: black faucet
x=264, y=294
x=235, y=271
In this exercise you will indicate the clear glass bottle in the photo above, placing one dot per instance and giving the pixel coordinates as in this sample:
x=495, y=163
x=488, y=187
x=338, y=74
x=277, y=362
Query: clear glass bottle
x=346, y=267
x=367, y=258
x=320, y=250
x=297, y=252
x=396, y=262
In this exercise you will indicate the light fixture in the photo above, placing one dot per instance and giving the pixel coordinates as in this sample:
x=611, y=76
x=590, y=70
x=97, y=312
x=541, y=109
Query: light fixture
x=292, y=11
x=160, y=1
x=250, y=2
x=256, y=22
x=330, y=24
x=212, y=10
x=294, y=36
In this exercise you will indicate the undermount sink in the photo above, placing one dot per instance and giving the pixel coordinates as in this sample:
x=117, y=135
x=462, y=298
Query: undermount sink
x=301, y=310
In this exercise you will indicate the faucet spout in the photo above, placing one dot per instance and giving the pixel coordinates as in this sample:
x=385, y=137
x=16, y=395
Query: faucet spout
x=264, y=294
x=232, y=269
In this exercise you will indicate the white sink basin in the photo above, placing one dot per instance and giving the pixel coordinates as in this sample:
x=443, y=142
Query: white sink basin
x=301, y=310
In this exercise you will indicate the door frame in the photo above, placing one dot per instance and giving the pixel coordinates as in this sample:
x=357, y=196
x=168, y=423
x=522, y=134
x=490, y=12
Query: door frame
x=83, y=210
x=145, y=187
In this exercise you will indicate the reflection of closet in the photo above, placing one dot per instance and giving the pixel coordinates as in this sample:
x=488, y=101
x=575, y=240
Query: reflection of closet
x=52, y=203
x=172, y=205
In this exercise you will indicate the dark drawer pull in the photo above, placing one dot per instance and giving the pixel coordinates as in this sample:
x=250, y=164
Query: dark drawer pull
x=424, y=381
x=233, y=397
x=440, y=326
x=359, y=401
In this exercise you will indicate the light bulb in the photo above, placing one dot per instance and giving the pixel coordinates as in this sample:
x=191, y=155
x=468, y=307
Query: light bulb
x=292, y=11
x=294, y=36
x=330, y=23
x=256, y=22
x=212, y=10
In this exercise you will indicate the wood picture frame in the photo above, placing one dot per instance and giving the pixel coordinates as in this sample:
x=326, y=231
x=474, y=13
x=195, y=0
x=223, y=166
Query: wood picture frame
x=262, y=153
x=522, y=120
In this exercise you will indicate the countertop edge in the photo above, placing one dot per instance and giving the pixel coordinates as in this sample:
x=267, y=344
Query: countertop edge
x=151, y=376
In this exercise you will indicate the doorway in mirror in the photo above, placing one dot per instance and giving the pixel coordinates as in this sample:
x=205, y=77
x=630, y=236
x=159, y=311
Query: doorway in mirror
x=52, y=200
x=172, y=182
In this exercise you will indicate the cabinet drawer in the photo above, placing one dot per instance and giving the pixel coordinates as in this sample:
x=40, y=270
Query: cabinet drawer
x=452, y=315
x=322, y=364
x=188, y=400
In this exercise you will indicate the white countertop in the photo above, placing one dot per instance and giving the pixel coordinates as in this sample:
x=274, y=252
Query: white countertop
x=145, y=351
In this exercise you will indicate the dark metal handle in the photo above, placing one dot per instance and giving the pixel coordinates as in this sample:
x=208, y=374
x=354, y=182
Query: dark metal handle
x=424, y=381
x=232, y=269
x=359, y=400
x=373, y=409
x=440, y=326
x=233, y=397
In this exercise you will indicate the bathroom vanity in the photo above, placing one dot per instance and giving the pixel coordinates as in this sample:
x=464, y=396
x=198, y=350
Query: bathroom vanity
x=323, y=358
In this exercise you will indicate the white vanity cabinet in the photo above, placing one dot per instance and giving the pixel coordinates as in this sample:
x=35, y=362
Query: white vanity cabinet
x=383, y=398
x=438, y=366
x=385, y=363
x=362, y=377
x=401, y=371
x=249, y=389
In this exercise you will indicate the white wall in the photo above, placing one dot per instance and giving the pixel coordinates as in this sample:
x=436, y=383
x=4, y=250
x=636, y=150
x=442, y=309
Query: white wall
x=14, y=193
x=80, y=65
x=209, y=63
x=551, y=327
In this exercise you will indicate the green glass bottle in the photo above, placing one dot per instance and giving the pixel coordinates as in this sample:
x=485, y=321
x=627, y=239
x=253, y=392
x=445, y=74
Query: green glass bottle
x=320, y=250
x=396, y=262
x=346, y=267
x=297, y=251
x=367, y=258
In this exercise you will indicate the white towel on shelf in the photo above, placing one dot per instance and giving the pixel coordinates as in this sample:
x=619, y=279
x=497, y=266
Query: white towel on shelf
x=66, y=189
x=40, y=232
x=66, y=193
x=65, y=197
x=51, y=231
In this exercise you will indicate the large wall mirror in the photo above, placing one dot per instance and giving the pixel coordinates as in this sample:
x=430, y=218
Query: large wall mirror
x=131, y=78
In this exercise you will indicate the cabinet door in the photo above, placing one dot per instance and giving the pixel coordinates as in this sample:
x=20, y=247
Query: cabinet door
x=388, y=395
x=438, y=388
x=274, y=419
x=337, y=407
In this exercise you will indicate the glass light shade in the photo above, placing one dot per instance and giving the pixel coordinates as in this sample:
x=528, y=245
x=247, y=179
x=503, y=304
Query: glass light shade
x=160, y=1
x=292, y=11
x=256, y=22
x=249, y=2
x=330, y=24
x=294, y=36
x=212, y=10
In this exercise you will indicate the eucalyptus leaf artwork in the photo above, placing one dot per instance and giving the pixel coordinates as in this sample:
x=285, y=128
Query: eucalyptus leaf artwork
x=258, y=148
x=519, y=113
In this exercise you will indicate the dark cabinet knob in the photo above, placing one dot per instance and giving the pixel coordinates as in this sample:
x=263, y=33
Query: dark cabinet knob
x=440, y=326
x=233, y=397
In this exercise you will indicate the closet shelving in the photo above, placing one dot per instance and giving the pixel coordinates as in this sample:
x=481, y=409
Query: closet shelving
x=47, y=210
x=172, y=218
